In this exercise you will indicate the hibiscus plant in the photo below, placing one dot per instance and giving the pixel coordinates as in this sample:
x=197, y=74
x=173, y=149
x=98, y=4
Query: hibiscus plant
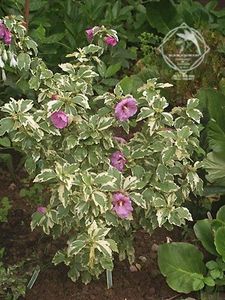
x=112, y=163
x=16, y=48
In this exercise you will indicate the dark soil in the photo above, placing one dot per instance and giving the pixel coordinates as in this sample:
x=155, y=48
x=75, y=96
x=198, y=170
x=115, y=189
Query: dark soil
x=129, y=283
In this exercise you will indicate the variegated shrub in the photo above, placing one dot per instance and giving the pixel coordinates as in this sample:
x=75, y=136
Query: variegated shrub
x=16, y=47
x=104, y=185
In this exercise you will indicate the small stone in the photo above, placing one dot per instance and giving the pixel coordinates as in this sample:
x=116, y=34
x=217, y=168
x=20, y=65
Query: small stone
x=142, y=259
x=133, y=268
x=155, y=247
x=138, y=266
x=12, y=186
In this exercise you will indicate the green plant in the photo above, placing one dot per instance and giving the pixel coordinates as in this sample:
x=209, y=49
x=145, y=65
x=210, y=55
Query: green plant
x=4, y=208
x=95, y=179
x=182, y=263
x=33, y=193
x=12, y=282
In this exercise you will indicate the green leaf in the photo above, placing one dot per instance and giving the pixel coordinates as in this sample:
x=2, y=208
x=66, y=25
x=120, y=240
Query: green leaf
x=59, y=257
x=221, y=214
x=6, y=125
x=100, y=199
x=182, y=265
x=81, y=100
x=160, y=18
x=214, y=164
x=5, y=141
x=75, y=247
x=45, y=175
x=220, y=241
x=209, y=281
x=145, y=113
x=138, y=199
x=204, y=233
x=112, y=70
x=166, y=186
x=105, y=122
x=23, y=61
x=168, y=154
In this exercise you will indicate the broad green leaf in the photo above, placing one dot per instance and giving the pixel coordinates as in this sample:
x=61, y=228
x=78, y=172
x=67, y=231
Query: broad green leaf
x=221, y=214
x=182, y=265
x=214, y=164
x=204, y=233
x=220, y=241
x=112, y=70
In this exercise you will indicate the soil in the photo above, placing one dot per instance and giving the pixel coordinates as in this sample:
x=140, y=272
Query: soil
x=129, y=283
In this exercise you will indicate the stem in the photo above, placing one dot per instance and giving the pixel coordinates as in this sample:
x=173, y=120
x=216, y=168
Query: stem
x=109, y=279
x=27, y=12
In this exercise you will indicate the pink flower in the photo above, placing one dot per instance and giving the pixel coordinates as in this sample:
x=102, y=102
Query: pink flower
x=2, y=30
x=120, y=140
x=7, y=37
x=118, y=160
x=5, y=34
x=110, y=40
x=59, y=119
x=125, y=109
x=90, y=34
x=122, y=205
x=41, y=209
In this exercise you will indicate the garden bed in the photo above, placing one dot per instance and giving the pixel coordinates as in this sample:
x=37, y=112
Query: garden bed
x=53, y=283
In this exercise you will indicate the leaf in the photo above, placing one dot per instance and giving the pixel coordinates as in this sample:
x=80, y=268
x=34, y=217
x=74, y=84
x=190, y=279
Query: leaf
x=166, y=186
x=221, y=214
x=145, y=113
x=105, y=122
x=100, y=199
x=168, y=154
x=45, y=175
x=182, y=265
x=214, y=102
x=75, y=247
x=5, y=141
x=194, y=114
x=112, y=70
x=81, y=100
x=160, y=18
x=204, y=233
x=214, y=164
x=220, y=241
x=23, y=61
x=130, y=183
x=104, y=247
x=138, y=199
x=6, y=125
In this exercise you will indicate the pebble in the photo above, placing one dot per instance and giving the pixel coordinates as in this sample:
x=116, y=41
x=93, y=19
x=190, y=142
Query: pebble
x=155, y=247
x=133, y=268
x=142, y=259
